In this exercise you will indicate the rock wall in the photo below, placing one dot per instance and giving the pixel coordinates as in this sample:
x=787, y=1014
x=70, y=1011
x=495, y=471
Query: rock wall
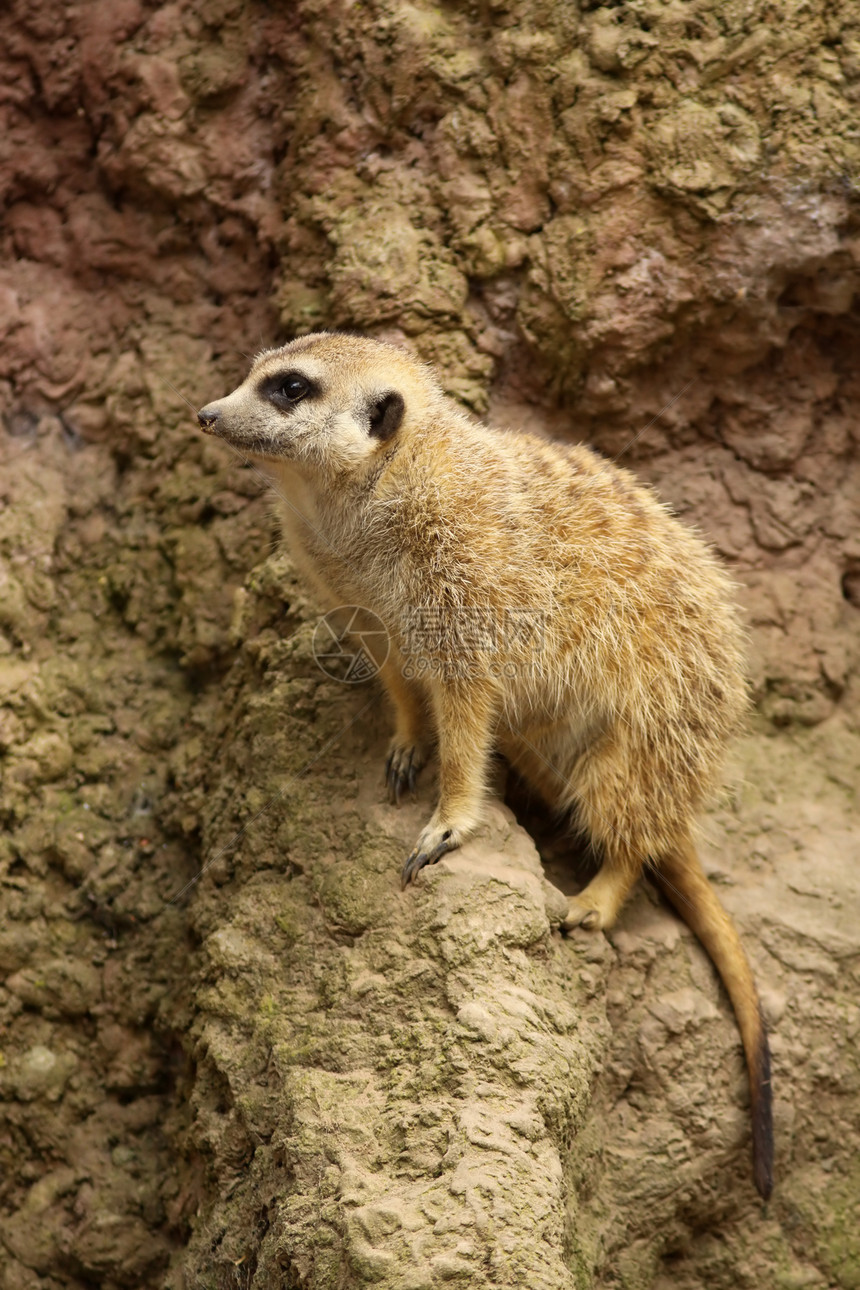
x=231, y=1053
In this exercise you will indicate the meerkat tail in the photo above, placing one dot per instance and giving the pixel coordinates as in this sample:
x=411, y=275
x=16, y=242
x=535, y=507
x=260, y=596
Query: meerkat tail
x=682, y=880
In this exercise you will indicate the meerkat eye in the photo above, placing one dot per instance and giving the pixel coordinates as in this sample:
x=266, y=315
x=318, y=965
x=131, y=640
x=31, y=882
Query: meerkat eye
x=286, y=389
x=294, y=387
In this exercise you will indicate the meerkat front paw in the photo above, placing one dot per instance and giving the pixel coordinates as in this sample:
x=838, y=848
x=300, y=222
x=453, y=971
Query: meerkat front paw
x=402, y=767
x=435, y=842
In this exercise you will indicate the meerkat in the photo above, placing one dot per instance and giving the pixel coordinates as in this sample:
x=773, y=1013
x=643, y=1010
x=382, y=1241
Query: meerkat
x=538, y=600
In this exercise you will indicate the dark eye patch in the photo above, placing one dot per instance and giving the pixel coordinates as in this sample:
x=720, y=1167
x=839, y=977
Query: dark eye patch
x=286, y=389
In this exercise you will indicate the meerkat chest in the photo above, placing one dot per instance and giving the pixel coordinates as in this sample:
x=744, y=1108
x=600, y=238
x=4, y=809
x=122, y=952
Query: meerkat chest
x=320, y=539
x=301, y=528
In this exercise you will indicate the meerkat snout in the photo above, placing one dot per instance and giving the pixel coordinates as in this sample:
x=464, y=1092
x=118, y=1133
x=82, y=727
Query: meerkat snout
x=208, y=419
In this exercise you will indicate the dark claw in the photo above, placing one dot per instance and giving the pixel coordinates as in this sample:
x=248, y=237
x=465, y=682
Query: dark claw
x=418, y=859
x=399, y=776
x=391, y=779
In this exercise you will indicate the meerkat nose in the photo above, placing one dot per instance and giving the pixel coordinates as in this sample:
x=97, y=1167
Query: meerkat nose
x=208, y=418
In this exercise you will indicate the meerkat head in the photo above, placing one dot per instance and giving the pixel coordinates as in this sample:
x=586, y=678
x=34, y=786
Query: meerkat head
x=326, y=401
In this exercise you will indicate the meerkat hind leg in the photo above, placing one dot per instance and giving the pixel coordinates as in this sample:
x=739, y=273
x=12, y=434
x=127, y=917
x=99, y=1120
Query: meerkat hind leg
x=598, y=904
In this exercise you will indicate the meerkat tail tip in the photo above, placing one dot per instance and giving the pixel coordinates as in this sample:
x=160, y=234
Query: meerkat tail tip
x=762, y=1120
x=682, y=880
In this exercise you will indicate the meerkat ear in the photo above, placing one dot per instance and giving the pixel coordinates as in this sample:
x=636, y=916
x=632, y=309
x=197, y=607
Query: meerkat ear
x=386, y=413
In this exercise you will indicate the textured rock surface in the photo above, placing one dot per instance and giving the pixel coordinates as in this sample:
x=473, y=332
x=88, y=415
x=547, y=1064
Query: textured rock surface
x=635, y=225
